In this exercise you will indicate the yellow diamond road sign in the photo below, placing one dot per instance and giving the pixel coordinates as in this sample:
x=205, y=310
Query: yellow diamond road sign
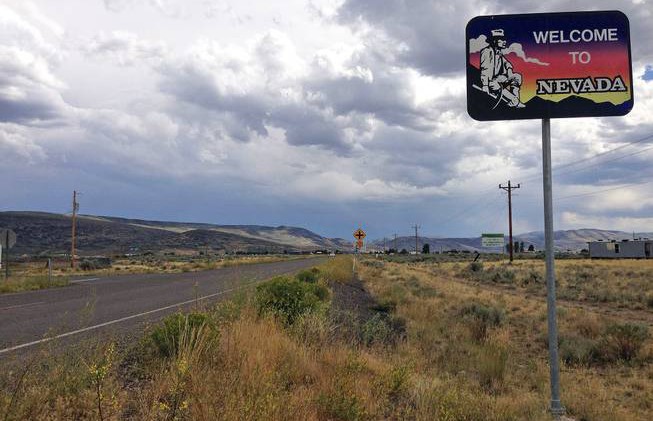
x=359, y=234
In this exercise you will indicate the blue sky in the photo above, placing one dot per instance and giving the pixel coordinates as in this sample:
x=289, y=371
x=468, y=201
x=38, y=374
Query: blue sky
x=313, y=113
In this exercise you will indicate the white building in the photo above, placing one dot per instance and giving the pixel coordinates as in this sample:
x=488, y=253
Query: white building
x=624, y=249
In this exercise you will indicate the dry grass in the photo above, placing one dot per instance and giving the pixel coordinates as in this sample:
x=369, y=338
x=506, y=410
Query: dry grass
x=31, y=282
x=27, y=276
x=448, y=367
x=338, y=268
x=510, y=364
x=617, y=283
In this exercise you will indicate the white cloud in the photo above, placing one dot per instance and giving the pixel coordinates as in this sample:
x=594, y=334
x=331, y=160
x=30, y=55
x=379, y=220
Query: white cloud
x=573, y=220
x=125, y=48
x=16, y=145
x=29, y=88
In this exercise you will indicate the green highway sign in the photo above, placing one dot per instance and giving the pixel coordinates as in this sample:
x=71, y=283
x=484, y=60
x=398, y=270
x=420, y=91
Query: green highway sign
x=492, y=240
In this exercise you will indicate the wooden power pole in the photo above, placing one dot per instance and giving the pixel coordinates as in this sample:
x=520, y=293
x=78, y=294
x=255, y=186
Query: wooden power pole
x=509, y=188
x=74, y=227
x=416, y=227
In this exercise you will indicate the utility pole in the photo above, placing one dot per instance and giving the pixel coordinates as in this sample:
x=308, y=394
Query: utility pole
x=74, y=227
x=6, y=255
x=396, y=251
x=416, y=227
x=509, y=188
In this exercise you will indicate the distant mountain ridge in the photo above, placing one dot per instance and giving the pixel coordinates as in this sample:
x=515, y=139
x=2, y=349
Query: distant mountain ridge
x=49, y=233
x=573, y=240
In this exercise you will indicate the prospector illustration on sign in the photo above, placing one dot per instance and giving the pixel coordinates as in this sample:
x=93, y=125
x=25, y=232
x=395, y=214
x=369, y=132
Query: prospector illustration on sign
x=497, y=76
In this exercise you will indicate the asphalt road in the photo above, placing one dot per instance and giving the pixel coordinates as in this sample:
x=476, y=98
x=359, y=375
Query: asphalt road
x=121, y=303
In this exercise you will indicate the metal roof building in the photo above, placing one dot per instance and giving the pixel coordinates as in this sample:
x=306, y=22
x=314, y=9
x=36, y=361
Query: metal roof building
x=624, y=249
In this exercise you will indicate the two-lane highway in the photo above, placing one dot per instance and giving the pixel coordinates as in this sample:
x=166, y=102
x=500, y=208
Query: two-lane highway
x=95, y=303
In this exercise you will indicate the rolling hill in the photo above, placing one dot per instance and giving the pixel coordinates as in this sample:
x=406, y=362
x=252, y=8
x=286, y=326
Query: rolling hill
x=49, y=233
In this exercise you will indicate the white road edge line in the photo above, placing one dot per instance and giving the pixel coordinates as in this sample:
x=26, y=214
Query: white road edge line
x=77, y=281
x=122, y=319
x=22, y=305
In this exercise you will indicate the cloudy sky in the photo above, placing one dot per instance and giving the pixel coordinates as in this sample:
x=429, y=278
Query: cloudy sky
x=324, y=114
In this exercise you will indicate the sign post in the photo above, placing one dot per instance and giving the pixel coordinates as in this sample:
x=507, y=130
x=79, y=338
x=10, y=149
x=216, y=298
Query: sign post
x=552, y=325
x=359, y=235
x=543, y=66
x=7, y=241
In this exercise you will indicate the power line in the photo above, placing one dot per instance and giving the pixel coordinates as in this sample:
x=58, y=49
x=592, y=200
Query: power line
x=599, y=155
x=604, y=190
x=605, y=162
x=482, y=201
x=604, y=153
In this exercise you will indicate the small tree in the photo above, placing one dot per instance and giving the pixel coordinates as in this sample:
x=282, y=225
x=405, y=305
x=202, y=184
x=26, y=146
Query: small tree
x=403, y=251
x=521, y=247
x=516, y=247
x=531, y=247
x=426, y=249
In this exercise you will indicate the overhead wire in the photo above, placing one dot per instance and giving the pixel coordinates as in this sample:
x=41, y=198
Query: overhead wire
x=468, y=209
x=623, y=186
x=596, y=156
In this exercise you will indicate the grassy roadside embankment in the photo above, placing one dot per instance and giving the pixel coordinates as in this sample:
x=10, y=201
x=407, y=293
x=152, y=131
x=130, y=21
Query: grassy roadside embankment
x=29, y=276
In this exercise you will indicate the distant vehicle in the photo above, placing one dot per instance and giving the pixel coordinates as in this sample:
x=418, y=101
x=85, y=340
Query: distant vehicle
x=332, y=254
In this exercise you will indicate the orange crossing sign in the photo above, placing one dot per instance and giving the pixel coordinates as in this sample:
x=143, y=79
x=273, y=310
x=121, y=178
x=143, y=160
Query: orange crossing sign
x=359, y=234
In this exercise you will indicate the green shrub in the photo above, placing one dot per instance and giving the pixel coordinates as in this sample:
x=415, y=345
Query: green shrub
x=491, y=365
x=288, y=298
x=341, y=405
x=502, y=275
x=310, y=275
x=176, y=330
x=340, y=401
x=475, y=267
x=622, y=341
x=617, y=342
x=533, y=277
x=482, y=318
x=578, y=350
x=383, y=329
x=649, y=300
x=376, y=330
x=377, y=264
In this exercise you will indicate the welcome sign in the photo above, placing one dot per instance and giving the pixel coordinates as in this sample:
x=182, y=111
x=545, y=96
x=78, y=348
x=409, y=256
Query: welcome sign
x=549, y=65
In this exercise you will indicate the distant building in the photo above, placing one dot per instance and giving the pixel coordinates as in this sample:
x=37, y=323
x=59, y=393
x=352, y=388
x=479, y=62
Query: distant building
x=624, y=249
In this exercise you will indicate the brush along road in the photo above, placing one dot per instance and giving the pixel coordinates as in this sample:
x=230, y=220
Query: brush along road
x=125, y=302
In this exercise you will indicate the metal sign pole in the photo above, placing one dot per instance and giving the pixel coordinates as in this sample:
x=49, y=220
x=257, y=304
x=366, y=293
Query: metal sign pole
x=556, y=407
x=6, y=254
